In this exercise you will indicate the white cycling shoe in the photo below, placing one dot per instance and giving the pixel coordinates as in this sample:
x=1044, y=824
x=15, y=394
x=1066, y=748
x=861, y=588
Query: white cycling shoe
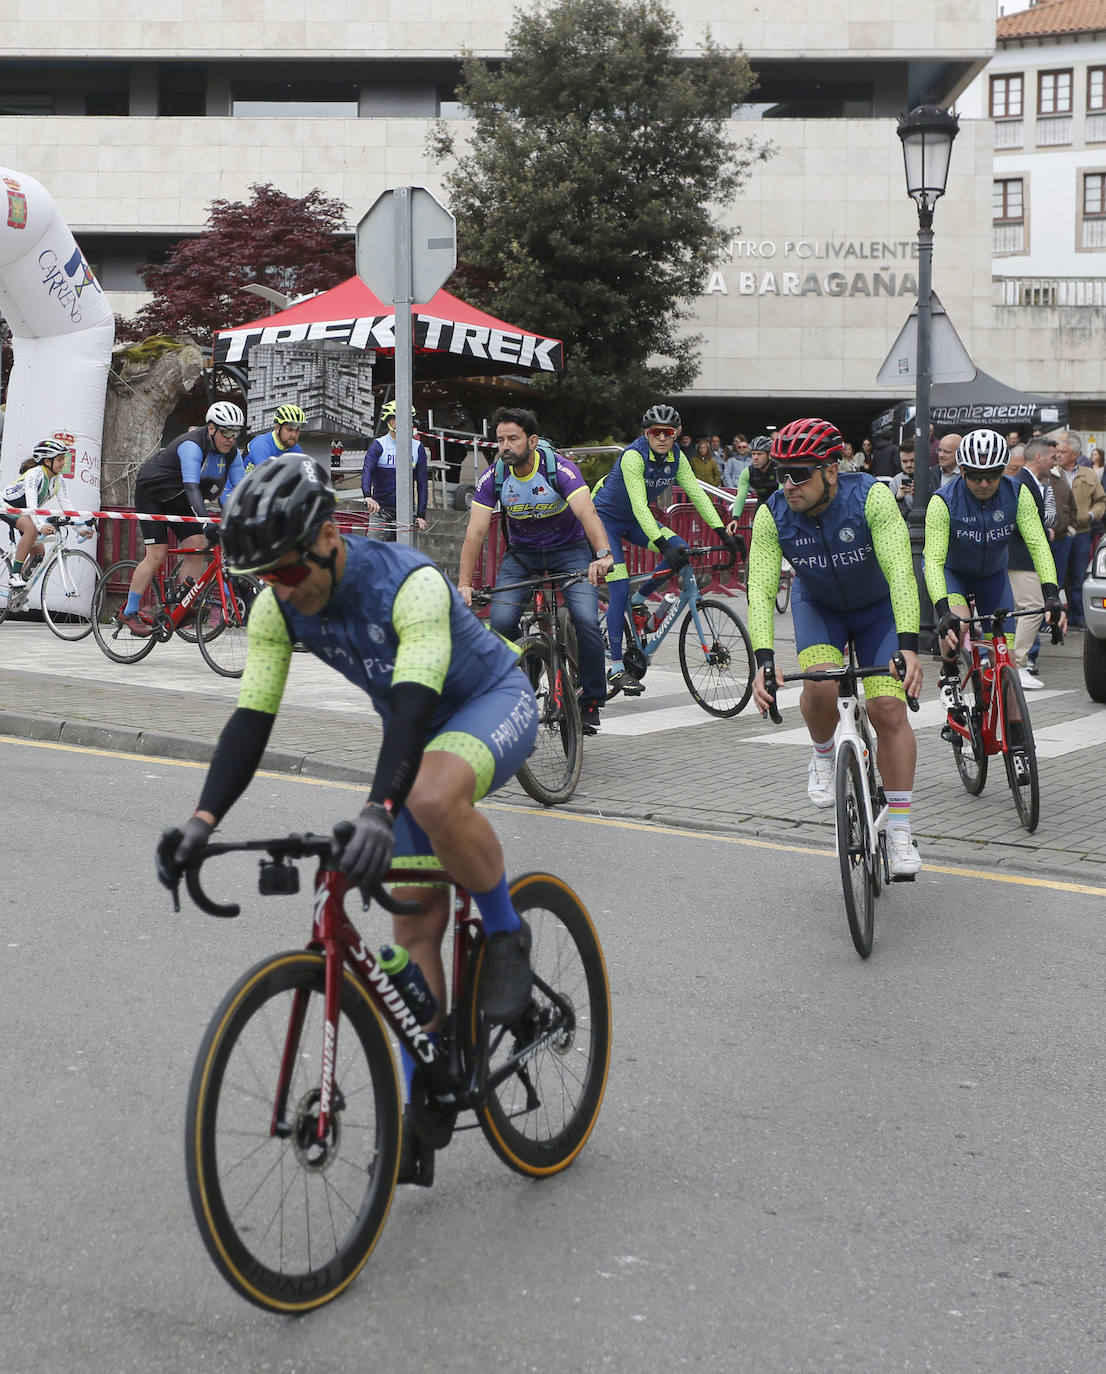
x=820, y=780
x=903, y=858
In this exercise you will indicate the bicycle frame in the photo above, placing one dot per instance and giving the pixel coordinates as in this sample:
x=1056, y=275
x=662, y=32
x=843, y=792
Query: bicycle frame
x=52, y=547
x=687, y=601
x=854, y=732
x=992, y=712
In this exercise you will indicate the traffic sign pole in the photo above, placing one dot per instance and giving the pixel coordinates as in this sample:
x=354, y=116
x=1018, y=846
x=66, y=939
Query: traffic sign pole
x=404, y=365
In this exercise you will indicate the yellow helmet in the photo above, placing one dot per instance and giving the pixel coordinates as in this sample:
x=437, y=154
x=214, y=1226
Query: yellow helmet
x=290, y=415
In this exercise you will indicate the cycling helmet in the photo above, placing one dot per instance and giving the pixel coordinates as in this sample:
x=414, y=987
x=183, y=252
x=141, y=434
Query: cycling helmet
x=662, y=415
x=225, y=414
x=982, y=449
x=289, y=415
x=811, y=441
x=48, y=450
x=761, y=444
x=388, y=411
x=277, y=507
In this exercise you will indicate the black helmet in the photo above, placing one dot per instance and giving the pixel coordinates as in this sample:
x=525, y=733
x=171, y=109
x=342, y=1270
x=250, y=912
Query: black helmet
x=668, y=416
x=278, y=507
x=761, y=444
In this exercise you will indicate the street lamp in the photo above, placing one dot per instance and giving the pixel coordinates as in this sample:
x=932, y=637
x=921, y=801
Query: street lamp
x=277, y=299
x=927, y=134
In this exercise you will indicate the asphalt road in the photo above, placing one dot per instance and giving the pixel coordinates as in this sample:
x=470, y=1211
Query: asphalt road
x=804, y=1162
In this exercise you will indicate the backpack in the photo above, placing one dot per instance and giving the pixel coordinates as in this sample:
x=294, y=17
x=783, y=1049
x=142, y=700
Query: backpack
x=548, y=454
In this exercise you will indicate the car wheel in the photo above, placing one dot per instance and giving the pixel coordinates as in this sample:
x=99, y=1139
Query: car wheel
x=1094, y=666
x=462, y=497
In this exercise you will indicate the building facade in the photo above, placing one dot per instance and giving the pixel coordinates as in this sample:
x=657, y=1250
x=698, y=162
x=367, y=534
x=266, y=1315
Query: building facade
x=135, y=125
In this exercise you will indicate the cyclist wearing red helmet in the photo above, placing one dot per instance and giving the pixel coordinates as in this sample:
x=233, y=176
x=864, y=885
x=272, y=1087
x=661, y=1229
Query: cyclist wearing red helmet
x=844, y=536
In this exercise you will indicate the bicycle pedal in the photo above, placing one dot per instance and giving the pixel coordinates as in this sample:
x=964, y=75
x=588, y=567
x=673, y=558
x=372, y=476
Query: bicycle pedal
x=903, y=877
x=947, y=734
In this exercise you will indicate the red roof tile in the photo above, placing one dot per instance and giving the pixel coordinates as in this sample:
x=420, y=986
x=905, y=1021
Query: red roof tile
x=1052, y=17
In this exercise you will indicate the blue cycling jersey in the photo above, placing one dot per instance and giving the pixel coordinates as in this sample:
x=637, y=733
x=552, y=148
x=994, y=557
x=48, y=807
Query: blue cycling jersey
x=980, y=531
x=266, y=446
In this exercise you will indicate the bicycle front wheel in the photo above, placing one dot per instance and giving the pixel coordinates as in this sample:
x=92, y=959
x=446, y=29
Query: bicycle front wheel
x=783, y=593
x=221, y=623
x=539, y=1117
x=719, y=671
x=67, y=592
x=566, y=637
x=5, y=587
x=552, y=771
x=109, y=598
x=854, y=851
x=290, y=1220
x=1021, y=752
x=971, y=754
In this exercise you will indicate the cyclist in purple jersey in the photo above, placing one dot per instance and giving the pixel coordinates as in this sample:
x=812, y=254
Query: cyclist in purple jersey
x=551, y=526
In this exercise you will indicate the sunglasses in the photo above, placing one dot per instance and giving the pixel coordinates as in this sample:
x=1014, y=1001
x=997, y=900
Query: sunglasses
x=795, y=475
x=661, y=432
x=226, y=433
x=984, y=474
x=290, y=576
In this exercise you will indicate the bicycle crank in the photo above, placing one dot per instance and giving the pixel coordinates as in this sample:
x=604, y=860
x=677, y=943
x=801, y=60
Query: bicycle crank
x=635, y=662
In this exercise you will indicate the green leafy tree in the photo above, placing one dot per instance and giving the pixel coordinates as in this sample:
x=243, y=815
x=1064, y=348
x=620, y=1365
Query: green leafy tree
x=294, y=244
x=587, y=197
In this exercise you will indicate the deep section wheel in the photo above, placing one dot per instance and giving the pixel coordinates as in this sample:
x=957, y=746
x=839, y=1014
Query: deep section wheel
x=854, y=852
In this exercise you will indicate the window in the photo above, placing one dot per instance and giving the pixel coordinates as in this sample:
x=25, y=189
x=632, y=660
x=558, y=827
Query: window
x=26, y=103
x=1006, y=97
x=1096, y=89
x=1092, y=226
x=1008, y=215
x=295, y=100
x=1054, y=92
x=1094, y=193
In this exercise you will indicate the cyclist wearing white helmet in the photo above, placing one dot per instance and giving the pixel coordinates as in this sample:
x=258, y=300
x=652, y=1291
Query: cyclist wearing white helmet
x=378, y=478
x=202, y=463
x=284, y=436
x=969, y=526
x=40, y=480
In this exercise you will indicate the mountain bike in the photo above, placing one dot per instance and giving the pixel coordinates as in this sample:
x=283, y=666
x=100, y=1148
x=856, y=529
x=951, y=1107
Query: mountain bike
x=549, y=658
x=65, y=578
x=716, y=656
x=219, y=602
x=292, y=1135
x=982, y=721
x=860, y=805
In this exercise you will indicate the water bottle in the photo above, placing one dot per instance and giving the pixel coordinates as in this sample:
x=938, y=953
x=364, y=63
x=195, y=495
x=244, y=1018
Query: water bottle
x=411, y=982
x=668, y=601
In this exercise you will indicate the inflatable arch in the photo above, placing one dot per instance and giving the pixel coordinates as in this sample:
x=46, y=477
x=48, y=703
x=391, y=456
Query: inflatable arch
x=62, y=335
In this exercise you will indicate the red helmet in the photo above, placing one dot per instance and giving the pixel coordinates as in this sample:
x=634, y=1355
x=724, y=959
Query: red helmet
x=811, y=441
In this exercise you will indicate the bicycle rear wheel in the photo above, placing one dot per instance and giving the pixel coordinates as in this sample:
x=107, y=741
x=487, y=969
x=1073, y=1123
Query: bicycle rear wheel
x=971, y=755
x=552, y=771
x=221, y=622
x=116, y=640
x=854, y=851
x=719, y=672
x=289, y=1221
x=71, y=589
x=1021, y=752
x=539, y=1118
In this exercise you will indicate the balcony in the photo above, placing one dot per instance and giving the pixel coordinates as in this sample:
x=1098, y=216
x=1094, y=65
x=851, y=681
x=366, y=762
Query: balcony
x=1094, y=128
x=1050, y=292
x=1053, y=131
x=1008, y=238
x=1009, y=133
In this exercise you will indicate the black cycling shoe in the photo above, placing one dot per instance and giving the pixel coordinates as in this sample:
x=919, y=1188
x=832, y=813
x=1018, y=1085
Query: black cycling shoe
x=589, y=717
x=505, y=977
x=416, y=1159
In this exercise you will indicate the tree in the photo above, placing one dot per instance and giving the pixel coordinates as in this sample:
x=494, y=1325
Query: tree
x=587, y=196
x=297, y=245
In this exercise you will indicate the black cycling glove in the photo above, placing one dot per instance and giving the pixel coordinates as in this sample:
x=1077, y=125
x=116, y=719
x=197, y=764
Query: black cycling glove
x=675, y=553
x=177, y=846
x=947, y=623
x=368, y=851
x=730, y=541
x=211, y=534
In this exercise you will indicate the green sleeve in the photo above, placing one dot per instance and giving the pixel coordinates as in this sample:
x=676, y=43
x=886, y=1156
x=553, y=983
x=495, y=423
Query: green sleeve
x=633, y=479
x=420, y=617
x=1036, y=541
x=685, y=477
x=268, y=654
x=938, y=526
x=891, y=541
x=742, y=493
x=765, y=559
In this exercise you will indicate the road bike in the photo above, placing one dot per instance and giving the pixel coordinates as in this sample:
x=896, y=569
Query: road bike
x=219, y=602
x=549, y=658
x=65, y=578
x=861, y=810
x=783, y=591
x=716, y=656
x=293, y=1125
x=982, y=721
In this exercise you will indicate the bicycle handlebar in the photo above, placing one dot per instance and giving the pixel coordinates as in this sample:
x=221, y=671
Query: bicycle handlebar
x=997, y=617
x=299, y=846
x=483, y=595
x=846, y=671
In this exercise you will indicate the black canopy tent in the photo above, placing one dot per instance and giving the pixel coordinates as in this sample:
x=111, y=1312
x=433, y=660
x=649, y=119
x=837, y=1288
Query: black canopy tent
x=982, y=403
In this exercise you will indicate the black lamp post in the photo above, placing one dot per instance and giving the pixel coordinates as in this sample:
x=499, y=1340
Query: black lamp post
x=927, y=134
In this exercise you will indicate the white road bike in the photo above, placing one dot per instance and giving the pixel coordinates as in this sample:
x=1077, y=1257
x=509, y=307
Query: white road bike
x=66, y=578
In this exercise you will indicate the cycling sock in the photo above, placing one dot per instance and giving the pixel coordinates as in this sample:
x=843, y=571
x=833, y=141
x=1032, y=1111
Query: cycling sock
x=407, y=1059
x=496, y=910
x=616, y=666
x=134, y=600
x=898, y=810
x=824, y=751
x=17, y=567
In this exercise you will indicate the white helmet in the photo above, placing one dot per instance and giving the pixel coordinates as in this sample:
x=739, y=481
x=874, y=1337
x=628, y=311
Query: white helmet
x=226, y=414
x=981, y=449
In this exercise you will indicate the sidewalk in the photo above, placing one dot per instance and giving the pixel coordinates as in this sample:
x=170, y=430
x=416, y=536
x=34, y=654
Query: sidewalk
x=658, y=758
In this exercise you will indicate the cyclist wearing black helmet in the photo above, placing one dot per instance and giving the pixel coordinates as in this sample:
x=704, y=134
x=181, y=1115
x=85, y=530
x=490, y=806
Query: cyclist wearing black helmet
x=642, y=473
x=759, y=477
x=459, y=716
x=848, y=543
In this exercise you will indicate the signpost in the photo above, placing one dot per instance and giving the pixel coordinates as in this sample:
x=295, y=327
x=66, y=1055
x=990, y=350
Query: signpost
x=406, y=251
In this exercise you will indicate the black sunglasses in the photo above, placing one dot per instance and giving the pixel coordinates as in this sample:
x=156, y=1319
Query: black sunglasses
x=785, y=472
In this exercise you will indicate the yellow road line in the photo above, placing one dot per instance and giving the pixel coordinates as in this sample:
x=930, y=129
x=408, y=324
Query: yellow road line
x=746, y=842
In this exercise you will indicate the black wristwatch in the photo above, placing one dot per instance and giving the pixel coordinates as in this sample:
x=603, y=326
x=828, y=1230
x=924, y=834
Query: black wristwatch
x=602, y=553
